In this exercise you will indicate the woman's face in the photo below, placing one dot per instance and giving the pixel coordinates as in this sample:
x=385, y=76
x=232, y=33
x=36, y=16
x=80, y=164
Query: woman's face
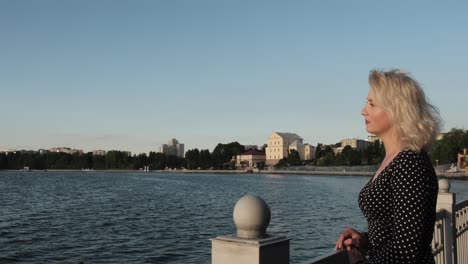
x=377, y=120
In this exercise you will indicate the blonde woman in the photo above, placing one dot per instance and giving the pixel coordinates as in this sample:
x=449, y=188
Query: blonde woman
x=399, y=201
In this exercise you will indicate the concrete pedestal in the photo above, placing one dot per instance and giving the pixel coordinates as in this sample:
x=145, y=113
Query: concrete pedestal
x=231, y=249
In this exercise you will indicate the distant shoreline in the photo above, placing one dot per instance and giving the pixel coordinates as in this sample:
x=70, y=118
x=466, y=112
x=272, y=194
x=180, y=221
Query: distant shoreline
x=449, y=175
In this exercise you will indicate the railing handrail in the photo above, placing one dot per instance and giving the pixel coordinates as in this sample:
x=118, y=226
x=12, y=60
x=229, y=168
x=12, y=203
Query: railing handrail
x=460, y=212
x=335, y=256
x=460, y=205
x=450, y=233
x=441, y=214
x=343, y=257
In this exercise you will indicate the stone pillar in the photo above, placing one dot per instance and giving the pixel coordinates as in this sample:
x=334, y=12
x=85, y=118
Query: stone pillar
x=251, y=244
x=446, y=201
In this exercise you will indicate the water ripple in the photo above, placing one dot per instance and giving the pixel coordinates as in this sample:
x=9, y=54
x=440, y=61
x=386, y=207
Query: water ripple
x=51, y=217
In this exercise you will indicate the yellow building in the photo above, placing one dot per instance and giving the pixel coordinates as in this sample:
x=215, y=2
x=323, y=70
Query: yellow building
x=355, y=143
x=279, y=144
x=309, y=152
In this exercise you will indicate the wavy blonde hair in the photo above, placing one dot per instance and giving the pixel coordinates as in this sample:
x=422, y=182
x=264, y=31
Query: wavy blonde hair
x=417, y=122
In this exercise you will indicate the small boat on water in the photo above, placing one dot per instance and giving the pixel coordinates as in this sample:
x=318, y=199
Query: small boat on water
x=454, y=169
x=256, y=170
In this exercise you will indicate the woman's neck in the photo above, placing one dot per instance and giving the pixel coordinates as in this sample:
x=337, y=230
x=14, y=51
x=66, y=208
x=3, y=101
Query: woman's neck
x=392, y=144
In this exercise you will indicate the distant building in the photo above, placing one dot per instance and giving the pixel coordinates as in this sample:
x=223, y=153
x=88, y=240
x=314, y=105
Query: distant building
x=309, y=152
x=353, y=143
x=280, y=144
x=173, y=148
x=372, y=139
x=99, y=152
x=440, y=136
x=76, y=151
x=43, y=151
x=10, y=151
x=24, y=151
x=66, y=150
x=250, y=158
x=463, y=160
x=59, y=149
x=298, y=146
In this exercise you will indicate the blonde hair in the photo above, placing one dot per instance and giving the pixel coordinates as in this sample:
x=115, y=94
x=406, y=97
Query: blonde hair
x=417, y=122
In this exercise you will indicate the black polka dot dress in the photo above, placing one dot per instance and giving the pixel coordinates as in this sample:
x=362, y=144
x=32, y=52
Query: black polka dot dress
x=400, y=209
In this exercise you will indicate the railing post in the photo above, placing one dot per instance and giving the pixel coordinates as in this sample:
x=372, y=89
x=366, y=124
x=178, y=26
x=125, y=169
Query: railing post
x=446, y=201
x=251, y=244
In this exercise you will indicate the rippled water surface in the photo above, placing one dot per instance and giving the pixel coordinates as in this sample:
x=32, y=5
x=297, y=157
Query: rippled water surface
x=99, y=217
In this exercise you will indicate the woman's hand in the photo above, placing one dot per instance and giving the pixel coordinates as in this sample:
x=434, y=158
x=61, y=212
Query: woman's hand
x=352, y=239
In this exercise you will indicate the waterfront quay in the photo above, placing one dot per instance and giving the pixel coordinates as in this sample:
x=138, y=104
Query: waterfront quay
x=344, y=172
x=318, y=171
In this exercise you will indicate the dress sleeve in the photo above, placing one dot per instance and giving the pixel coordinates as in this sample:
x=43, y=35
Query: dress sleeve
x=414, y=195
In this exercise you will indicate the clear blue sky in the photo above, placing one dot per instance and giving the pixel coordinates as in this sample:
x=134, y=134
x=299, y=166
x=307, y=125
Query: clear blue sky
x=130, y=75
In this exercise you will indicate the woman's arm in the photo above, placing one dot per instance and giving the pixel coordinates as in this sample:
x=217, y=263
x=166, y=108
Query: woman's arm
x=351, y=237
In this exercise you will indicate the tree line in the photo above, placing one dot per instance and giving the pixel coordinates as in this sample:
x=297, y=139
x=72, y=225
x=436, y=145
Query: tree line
x=444, y=151
x=220, y=158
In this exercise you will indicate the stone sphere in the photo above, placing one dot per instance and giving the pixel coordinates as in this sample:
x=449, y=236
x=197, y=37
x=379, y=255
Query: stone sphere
x=251, y=217
x=444, y=186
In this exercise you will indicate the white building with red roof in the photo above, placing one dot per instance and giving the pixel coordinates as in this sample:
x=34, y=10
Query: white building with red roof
x=250, y=158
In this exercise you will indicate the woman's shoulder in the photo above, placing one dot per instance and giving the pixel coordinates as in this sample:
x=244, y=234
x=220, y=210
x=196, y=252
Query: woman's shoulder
x=414, y=170
x=413, y=156
x=411, y=163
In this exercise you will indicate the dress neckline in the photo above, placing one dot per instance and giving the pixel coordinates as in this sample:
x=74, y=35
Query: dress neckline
x=376, y=177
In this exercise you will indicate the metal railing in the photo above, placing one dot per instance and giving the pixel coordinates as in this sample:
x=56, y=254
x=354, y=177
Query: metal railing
x=340, y=256
x=449, y=243
x=461, y=229
x=450, y=239
x=438, y=240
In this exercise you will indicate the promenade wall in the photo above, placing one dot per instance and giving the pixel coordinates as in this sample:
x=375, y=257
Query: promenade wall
x=299, y=170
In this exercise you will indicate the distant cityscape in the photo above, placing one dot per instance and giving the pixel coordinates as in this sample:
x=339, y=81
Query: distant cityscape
x=278, y=146
x=282, y=149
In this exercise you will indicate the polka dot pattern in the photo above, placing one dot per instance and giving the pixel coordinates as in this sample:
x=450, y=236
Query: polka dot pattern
x=400, y=209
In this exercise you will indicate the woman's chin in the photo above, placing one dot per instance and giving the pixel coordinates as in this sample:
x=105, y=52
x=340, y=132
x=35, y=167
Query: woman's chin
x=370, y=131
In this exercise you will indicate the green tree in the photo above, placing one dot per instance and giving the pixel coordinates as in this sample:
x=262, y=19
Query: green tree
x=293, y=158
x=192, y=159
x=205, y=159
x=158, y=161
x=373, y=153
x=99, y=162
x=446, y=149
x=223, y=153
x=327, y=157
x=3, y=161
x=318, y=153
x=140, y=161
x=118, y=160
x=282, y=163
x=340, y=160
